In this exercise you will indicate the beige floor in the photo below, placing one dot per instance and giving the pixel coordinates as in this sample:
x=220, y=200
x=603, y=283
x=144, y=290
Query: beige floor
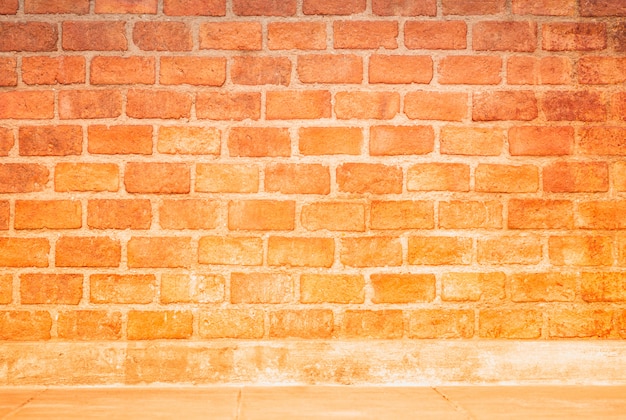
x=255, y=403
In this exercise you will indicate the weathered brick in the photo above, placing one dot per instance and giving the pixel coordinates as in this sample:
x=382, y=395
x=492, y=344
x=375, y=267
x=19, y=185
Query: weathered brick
x=371, y=251
x=231, y=323
x=311, y=323
x=154, y=252
x=6, y=141
x=504, y=105
x=162, y=36
x=194, y=7
x=89, y=325
x=333, y=7
x=462, y=287
x=509, y=323
x=94, y=36
x=470, y=70
x=227, y=178
x=31, y=105
x=127, y=288
x=25, y=326
x=259, y=142
x=404, y=7
x=298, y=104
x=230, y=250
x=9, y=7
x=122, y=70
x=618, y=106
x=58, y=289
x=471, y=141
x=524, y=70
x=438, y=177
x=618, y=175
x=541, y=141
x=296, y=35
x=264, y=7
x=88, y=252
x=158, y=104
x=580, y=250
x=8, y=71
x=545, y=7
x=22, y=177
x=369, y=324
x=232, y=106
x=603, y=287
x=94, y=177
x=189, y=214
x=300, y=252
x=401, y=215
x=28, y=36
x=444, y=106
x=403, y=288
x=157, y=178
x=470, y=215
x=125, y=6
x=294, y=178
x=352, y=34
x=202, y=71
x=119, y=214
x=602, y=8
x=569, y=36
x=602, y=70
x=576, y=177
x=373, y=178
x=185, y=140
x=261, y=70
x=601, y=214
x=506, y=178
x=330, y=140
x=510, y=250
x=567, y=323
x=573, y=106
x=261, y=288
x=541, y=214
x=5, y=214
x=440, y=250
x=332, y=288
x=505, y=36
x=441, y=323
x=77, y=7
x=153, y=325
x=50, y=140
x=473, y=7
x=333, y=216
x=367, y=105
x=543, y=287
x=231, y=36
x=48, y=214
x=52, y=70
x=602, y=140
x=326, y=68
x=435, y=35
x=401, y=140
x=6, y=289
x=261, y=215
x=87, y=104
x=400, y=69
x=194, y=288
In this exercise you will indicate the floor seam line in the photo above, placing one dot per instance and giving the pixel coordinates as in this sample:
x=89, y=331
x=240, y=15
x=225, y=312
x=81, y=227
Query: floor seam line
x=239, y=404
x=456, y=406
x=19, y=407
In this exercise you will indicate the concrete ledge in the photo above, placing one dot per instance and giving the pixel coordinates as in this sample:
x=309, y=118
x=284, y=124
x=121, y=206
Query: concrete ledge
x=401, y=362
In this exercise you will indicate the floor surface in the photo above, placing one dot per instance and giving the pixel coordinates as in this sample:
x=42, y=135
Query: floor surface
x=322, y=402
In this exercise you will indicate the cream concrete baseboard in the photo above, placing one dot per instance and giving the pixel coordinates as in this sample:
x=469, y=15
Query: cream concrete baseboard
x=426, y=363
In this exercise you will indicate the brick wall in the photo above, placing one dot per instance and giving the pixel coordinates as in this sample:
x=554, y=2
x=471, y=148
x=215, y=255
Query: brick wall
x=315, y=169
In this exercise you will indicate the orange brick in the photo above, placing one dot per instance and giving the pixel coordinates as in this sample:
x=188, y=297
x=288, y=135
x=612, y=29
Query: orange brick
x=218, y=177
x=383, y=324
x=443, y=106
x=115, y=288
x=555, y=70
x=505, y=36
x=566, y=323
x=8, y=72
x=545, y=7
x=94, y=177
x=543, y=287
x=504, y=105
x=120, y=139
x=25, y=326
x=9, y=7
x=259, y=142
x=162, y=36
x=297, y=178
x=333, y=7
x=523, y=70
x=228, y=106
x=367, y=105
x=228, y=250
x=620, y=244
x=570, y=36
x=312, y=323
x=402, y=215
x=365, y=34
x=298, y=104
x=462, y=287
x=618, y=175
x=371, y=251
x=119, y=214
x=202, y=71
x=264, y=8
x=618, y=106
x=602, y=141
x=78, y=7
x=158, y=104
x=296, y=35
x=88, y=252
x=183, y=288
x=602, y=70
x=401, y=140
x=441, y=323
x=48, y=214
x=94, y=36
x=471, y=141
x=261, y=215
x=507, y=178
x=403, y=288
x=333, y=216
x=232, y=323
x=58, y=289
x=373, y=178
x=5, y=214
x=185, y=140
x=603, y=287
x=35, y=105
x=581, y=250
x=194, y=7
x=125, y=6
x=28, y=36
x=157, y=178
x=189, y=214
x=153, y=252
x=576, y=177
x=541, y=141
x=438, y=177
x=327, y=68
x=24, y=252
x=231, y=36
x=50, y=140
x=154, y=325
x=473, y=7
x=470, y=70
x=6, y=289
x=604, y=8
x=440, y=250
x=601, y=215
x=470, y=215
x=404, y=7
x=573, y=106
x=86, y=104
x=618, y=36
x=435, y=35
x=330, y=140
x=261, y=288
x=261, y=71
x=510, y=250
x=6, y=141
x=89, y=325
x=52, y=70
x=22, y=177
x=300, y=252
x=399, y=69
x=509, y=323
x=541, y=214
x=332, y=288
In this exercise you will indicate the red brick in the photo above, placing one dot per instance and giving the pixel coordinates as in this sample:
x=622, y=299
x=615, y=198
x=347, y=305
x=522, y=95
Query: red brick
x=6, y=289
x=22, y=177
x=189, y=214
x=333, y=216
x=297, y=178
x=5, y=215
x=541, y=141
x=115, y=288
x=89, y=325
x=602, y=70
x=94, y=36
x=157, y=178
x=296, y=35
x=24, y=252
x=6, y=141
x=232, y=323
x=25, y=326
x=602, y=8
x=264, y=7
x=509, y=323
x=126, y=6
x=298, y=104
x=227, y=178
x=261, y=215
x=566, y=323
x=470, y=70
x=402, y=215
x=504, y=105
x=231, y=36
x=154, y=325
x=473, y=7
x=403, y=288
x=183, y=288
x=543, y=287
x=122, y=70
x=48, y=140
x=539, y=71
x=259, y=142
x=8, y=71
x=566, y=36
x=369, y=324
x=505, y=36
x=77, y=7
x=618, y=106
x=154, y=252
x=470, y=215
x=435, y=35
x=401, y=140
x=88, y=252
x=223, y=250
x=602, y=141
x=601, y=215
x=158, y=104
x=333, y=7
x=228, y=106
x=162, y=36
x=261, y=288
x=50, y=214
x=576, y=177
x=506, y=178
x=204, y=71
x=330, y=140
x=183, y=140
x=326, y=68
x=310, y=324
x=618, y=36
x=33, y=105
x=370, y=178
x=9, y=7
x=367, y=105
x=438, y=177
x=470, y=141
x=371, y=251
x=510, y=250
x=541, y=214
x=194, y=7
x=365, y=34
x=86, y=104
x=399, y=69
x=581, y=250
x=545, y=7
x=52, y=70
x=462, y=287
x=619, y=176
x=57, y=289
x=440, y=250
x=573, y=106
x=404, y=7
x=28, y=36
x=443, y=106
x=441, y=323
x=261, y=70
x=332, y=288
x=119, y=214
x=603, y=287
x=300, y=252
x=120, y=139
